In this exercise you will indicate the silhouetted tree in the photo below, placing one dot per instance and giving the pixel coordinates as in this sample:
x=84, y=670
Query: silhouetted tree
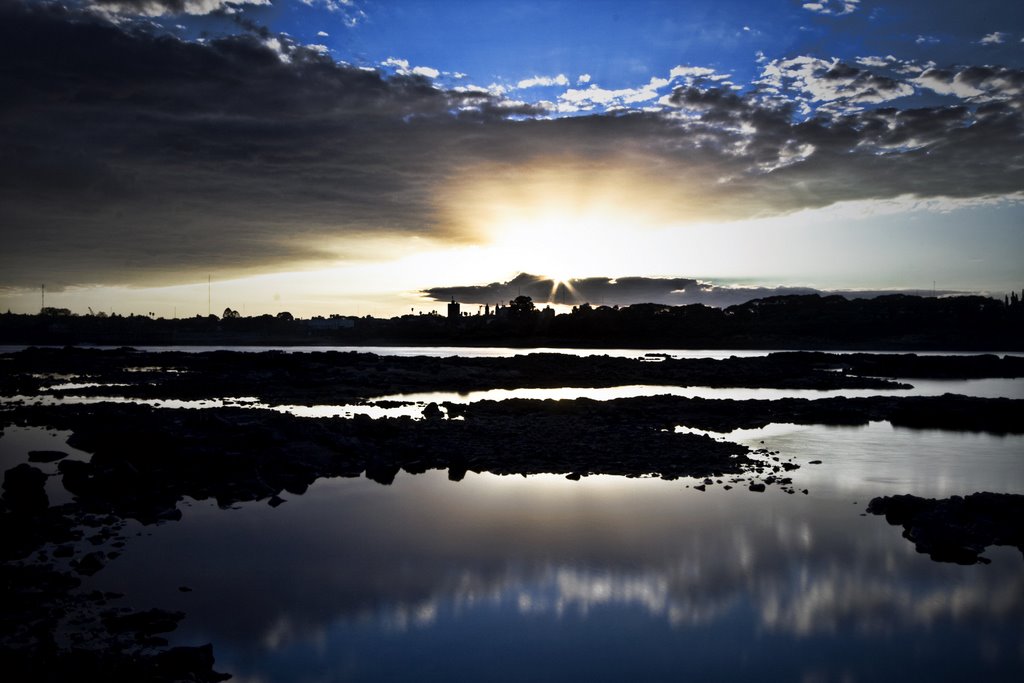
x=521, y=305
x=230, y=313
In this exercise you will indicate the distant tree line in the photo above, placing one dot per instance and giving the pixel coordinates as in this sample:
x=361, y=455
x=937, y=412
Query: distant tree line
x=807, y=321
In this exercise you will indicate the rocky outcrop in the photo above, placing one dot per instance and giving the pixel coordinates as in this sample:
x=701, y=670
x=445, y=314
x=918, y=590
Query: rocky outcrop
x=956, y=529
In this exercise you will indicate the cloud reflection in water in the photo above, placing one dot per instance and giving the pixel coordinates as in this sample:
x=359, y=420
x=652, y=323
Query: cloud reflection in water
x=351, y=569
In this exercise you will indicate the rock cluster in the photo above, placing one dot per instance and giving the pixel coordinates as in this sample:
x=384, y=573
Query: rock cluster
x=956, y=529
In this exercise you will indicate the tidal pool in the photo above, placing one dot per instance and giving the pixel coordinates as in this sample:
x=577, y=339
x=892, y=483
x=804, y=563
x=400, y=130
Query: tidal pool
x=542, y=578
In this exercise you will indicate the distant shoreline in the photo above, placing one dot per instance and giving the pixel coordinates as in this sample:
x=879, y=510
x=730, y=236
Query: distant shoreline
x=812, y=323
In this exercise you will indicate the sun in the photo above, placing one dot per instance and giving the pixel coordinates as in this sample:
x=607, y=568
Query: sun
x=557, y=220
x=552, y=243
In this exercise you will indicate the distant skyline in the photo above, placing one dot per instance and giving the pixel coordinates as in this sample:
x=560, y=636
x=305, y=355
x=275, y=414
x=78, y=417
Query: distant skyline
x=353, y=156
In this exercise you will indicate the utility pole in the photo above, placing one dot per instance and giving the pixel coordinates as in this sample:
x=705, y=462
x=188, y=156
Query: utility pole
x=42, y=295
x=208, y=296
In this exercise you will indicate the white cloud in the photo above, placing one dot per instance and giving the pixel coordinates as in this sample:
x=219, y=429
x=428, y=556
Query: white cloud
x=979, y=84
x=834, y=7
x=543, y=81
x=322, y=49
x=650, y=93
x=576, y=99
x=399, y=64
x=929, y=40
x=832, y=81
x=994, y=38
x=427, y=71
x=690, y=72
x=877, y=62
x=323, y=34
x=159, y=8
x=402, y=68
x=279, y=48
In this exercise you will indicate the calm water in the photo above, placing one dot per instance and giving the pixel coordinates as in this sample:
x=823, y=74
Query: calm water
x=541, y=578
x=607, y=578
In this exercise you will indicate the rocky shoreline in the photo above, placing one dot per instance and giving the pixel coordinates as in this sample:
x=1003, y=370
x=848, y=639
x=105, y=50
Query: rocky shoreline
x=332, y=376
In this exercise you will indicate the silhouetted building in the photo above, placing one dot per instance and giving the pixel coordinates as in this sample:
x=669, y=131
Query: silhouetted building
x=453, y=309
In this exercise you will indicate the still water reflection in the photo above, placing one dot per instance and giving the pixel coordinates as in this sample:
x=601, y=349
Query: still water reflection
x=984, y=388
x=541, y=578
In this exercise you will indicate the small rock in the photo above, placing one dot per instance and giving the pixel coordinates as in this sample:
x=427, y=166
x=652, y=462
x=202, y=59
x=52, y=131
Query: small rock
x=90, y=564
x=24, y=488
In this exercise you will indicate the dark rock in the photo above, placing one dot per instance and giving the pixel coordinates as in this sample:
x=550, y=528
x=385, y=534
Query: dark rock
x=24, y=488
x=189, y=663
x=90, y=564
x=433, y=412
x=382, y=472
x=956, y=529
x=274, y=501
x=759, y=488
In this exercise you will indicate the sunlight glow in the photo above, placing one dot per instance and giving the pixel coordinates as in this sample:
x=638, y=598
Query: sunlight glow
x=559, y=219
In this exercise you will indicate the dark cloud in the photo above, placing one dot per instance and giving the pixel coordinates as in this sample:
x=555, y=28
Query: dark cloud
x=131, y=156
x=626, y=291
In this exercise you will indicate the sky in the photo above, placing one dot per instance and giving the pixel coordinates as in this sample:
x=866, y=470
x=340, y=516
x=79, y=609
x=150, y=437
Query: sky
x=367, y=157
